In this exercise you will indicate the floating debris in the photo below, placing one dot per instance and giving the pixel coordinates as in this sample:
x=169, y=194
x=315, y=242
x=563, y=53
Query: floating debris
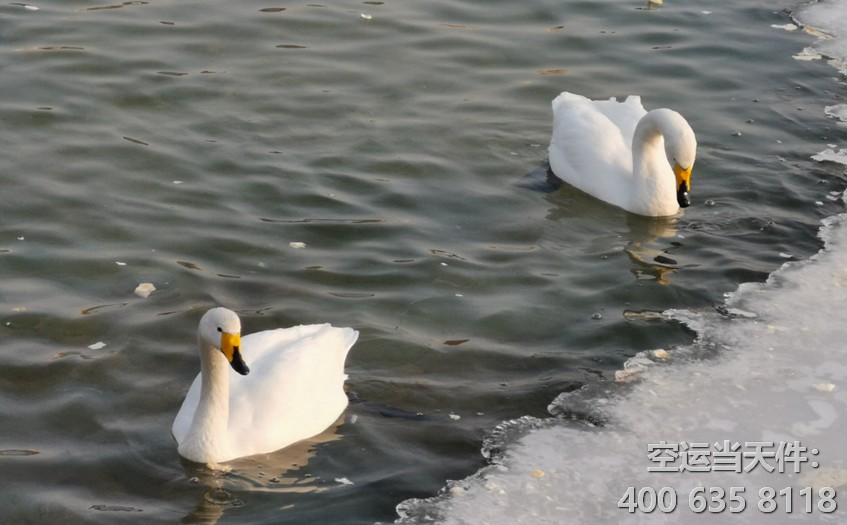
x=296, y=244
x=366, y=16
x=787, y=27
x=189, y=265
x=144, y=289
x=97, y=346
x=343, y=481
x=136, y=141
x=824, y=387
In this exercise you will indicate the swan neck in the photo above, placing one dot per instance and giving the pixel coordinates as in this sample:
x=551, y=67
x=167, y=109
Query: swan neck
x=206, y=440
x=653, y=191
x=648, y=148
x=214, y=387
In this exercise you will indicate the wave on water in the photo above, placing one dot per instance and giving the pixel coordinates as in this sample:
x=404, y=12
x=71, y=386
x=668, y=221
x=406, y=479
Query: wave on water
x=748, y=421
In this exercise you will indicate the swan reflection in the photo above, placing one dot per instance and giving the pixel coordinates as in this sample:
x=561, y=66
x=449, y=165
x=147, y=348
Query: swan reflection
x=281, y=472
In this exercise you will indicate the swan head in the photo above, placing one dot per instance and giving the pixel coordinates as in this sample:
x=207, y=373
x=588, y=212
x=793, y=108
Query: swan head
x=680, y=149
x=220, y=329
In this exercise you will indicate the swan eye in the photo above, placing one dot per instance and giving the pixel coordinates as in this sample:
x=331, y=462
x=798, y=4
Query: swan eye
x=220, y=329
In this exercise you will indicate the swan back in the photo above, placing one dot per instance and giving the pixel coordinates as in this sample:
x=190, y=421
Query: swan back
x=294, y=391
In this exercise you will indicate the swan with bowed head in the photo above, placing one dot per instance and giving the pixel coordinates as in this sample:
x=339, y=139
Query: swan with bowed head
x=620, y=153
x=261, y=392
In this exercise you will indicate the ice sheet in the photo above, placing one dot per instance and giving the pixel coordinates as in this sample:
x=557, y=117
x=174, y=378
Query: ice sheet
x=827, y=19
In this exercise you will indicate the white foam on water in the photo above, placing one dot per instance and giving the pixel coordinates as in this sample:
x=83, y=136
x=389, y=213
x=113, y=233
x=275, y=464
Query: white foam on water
x=763, y=387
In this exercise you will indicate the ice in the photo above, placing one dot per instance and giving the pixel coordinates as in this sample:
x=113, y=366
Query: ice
x=838, y=111
x=830, y=155
x=829, y=21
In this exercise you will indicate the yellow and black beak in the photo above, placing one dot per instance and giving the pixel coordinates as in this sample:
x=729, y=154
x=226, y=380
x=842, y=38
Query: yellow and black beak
x=231, y=348
x=683, y=184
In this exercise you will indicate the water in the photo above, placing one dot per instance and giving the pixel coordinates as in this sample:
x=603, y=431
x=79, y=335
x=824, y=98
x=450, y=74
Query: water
x=195, y=146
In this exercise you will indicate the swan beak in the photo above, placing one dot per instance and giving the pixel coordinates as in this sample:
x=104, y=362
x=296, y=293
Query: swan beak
x=231, y=347
x=683, y=184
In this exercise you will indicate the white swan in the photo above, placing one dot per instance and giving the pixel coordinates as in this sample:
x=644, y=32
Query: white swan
x=294, y=389
x=618, y=152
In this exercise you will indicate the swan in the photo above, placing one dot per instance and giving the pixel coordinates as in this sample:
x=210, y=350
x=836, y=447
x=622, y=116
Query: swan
x=294, y=389
x=620, y=153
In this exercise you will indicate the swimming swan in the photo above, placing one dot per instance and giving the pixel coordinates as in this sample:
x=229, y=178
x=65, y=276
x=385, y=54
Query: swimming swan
x=618, y=152
x=294, y=389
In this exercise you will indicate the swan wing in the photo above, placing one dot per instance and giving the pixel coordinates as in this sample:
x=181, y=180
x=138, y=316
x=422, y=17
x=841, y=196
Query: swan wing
x=294, y=389
x=588, y=149
x=625, y=115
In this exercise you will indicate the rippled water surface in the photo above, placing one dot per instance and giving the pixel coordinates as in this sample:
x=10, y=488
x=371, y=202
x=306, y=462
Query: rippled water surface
x=361, y=163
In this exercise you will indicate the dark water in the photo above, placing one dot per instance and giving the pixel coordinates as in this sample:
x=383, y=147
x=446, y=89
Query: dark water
x=189, y=144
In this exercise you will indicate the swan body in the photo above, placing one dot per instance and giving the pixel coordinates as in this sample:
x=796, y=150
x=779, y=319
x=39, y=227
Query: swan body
x=620, y=153
x=261, y=392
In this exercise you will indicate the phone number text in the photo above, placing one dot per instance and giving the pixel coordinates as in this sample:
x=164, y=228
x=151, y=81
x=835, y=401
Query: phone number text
x=733, y=500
